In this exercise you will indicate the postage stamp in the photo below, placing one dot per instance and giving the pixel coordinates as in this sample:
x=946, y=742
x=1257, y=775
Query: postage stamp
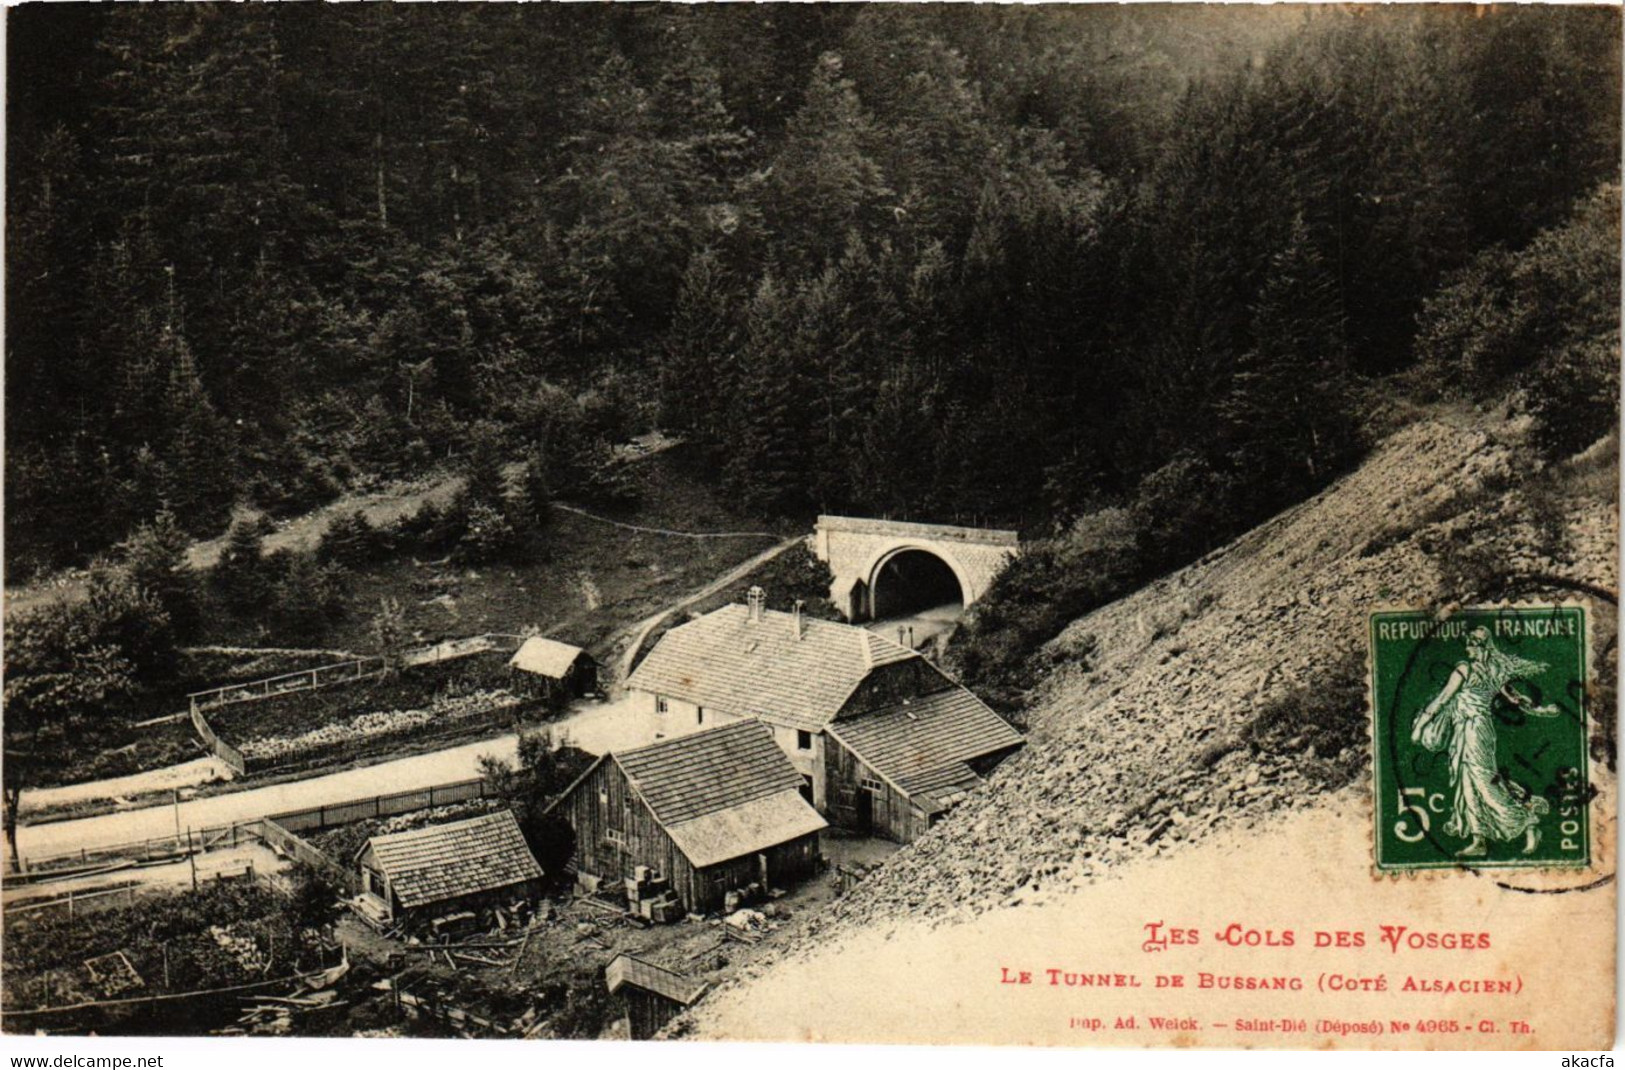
x=1479, y=734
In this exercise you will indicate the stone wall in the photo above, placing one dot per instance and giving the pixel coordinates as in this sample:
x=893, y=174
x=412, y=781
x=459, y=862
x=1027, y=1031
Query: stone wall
x=855, y=547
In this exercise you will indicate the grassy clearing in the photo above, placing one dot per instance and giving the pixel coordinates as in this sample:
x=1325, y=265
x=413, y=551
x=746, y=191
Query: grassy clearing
x=590, y=583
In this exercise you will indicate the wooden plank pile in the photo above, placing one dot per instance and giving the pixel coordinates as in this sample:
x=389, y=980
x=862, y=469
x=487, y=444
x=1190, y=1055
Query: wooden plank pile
x=274, y=1015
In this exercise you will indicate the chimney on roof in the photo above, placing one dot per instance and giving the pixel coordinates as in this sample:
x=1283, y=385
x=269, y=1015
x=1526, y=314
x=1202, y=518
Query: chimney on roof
x=795, y=621
x=753, y=603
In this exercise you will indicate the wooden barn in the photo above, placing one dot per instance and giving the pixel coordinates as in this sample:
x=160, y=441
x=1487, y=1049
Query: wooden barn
x=896, y=770
x=430, y=872
x=704, y=814
x=651, y=994
x=553, y=669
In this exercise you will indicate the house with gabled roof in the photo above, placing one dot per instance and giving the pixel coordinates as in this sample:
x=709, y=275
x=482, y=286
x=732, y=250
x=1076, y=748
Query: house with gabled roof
x=438, y=869
x=703, y=814
x=835, y=696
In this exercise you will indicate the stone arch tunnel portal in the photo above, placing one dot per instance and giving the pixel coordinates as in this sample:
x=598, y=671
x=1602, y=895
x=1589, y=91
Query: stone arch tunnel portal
x=912, y=581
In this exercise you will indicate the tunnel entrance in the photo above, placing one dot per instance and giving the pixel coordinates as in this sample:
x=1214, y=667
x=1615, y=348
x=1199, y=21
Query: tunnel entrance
x=913, y=581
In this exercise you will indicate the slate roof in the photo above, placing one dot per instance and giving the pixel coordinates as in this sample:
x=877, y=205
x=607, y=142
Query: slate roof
x=721, y=793
x=921, y=746
x=726, y=661
x=545, y=657
x=626, y=969
x=439, y=862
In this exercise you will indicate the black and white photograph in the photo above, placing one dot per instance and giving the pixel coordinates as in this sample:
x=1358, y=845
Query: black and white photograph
x=1065, y=525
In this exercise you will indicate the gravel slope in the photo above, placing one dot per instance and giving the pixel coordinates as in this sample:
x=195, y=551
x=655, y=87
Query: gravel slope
x=1139, y=743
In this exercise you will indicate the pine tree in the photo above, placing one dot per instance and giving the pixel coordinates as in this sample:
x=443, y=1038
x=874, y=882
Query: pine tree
x=241, y=573
x=197, y=450
x=825, y=178
x=1286, y=415
x=768, y=442
x=307, y=599
x=154, y=559
x=698, y=351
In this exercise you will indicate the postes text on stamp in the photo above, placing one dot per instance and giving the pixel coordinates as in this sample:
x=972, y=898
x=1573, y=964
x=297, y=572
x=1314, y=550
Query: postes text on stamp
x=1479, y=736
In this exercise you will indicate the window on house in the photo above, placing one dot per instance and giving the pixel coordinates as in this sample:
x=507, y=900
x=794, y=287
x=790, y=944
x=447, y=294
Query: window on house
x=870, y=784
x=661, y=705
x=806, y=787
x=615, y=836
x=699, y=714
x=803, y=740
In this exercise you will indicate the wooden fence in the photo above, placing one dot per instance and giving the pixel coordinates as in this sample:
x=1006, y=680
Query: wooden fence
x=324, y=676
x=295, y=847
x=193, y=841
x=287, y=823
x=231, y=756
x=401, y=802
x=74, y=902
x=304, y=680
x=124, y=894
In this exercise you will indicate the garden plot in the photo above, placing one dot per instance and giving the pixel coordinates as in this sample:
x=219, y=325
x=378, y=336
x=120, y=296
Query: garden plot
x=226, y=934
x=442, y=713
x=439, y=700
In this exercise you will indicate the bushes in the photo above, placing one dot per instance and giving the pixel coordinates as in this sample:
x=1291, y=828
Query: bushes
x=307, y=599
x=352, y=541
x=1545, y=318
x=1053, y=582
x=1182, y=510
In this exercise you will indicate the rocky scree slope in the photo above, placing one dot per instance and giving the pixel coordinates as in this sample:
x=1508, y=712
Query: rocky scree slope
x=1226, y=692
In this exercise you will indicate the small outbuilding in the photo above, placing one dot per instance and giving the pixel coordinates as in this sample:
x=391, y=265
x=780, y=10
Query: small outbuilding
x=652, y=994
x=554, y=669
x=439, y=870
x=697, y=817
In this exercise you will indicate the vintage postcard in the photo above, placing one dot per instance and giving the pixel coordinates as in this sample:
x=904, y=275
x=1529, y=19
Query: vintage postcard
x=1083, y=525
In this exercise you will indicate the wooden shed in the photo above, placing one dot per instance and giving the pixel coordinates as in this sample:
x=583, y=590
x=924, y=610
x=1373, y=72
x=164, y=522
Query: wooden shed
x=461, y=865
x=652, y=994
x=554, y=669
x=707, y=814
x=896, y=770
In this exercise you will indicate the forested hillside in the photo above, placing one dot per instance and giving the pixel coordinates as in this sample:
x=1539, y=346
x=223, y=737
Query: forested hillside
x=950, y=263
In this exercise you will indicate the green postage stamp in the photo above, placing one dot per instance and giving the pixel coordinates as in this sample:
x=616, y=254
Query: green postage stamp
x=1479, y=738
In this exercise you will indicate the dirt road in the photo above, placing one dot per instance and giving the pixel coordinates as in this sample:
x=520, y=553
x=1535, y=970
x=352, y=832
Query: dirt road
x=404, y=774
x=595, y=727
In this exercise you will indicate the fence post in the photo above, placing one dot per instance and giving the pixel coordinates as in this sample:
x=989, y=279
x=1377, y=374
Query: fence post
x=70, y=903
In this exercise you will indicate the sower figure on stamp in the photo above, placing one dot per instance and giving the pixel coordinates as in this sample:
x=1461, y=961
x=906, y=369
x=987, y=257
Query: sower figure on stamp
x=1484, y=805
